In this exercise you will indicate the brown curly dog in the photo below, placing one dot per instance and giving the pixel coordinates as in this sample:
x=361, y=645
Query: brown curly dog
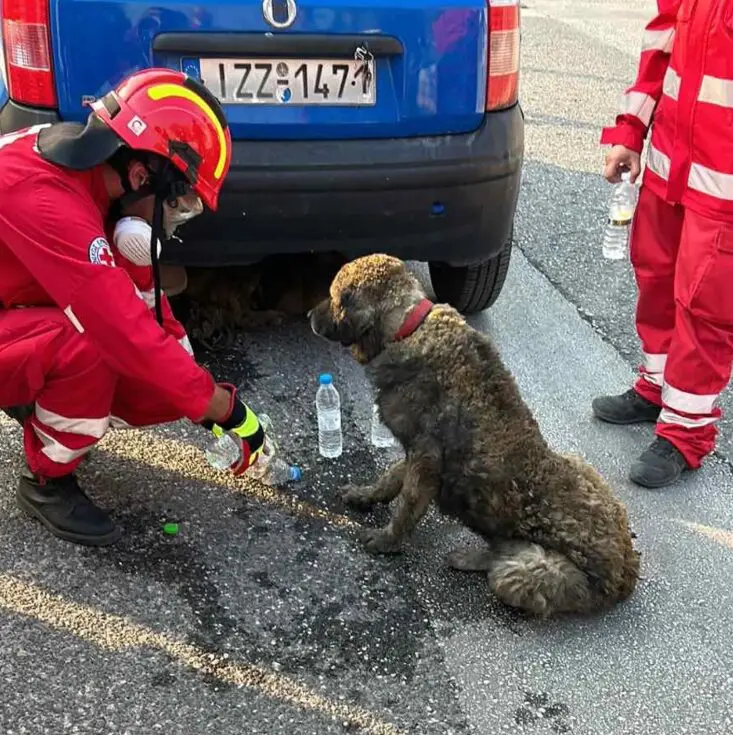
x=558, y=540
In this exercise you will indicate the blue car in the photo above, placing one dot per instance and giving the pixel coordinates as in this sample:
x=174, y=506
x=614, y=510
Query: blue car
x=379, y=126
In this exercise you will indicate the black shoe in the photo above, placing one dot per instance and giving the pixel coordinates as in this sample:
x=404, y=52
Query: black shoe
x=627, y=408
x=19, y=413
x=661, y=464
x=63, y=507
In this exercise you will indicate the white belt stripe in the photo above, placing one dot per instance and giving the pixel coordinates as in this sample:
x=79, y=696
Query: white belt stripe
x=80, y=426
x=710, y=182
x=713, y=90
x=716, y=91
x=701, y=178
x=679, y=400
x=671, y=85
x=639, y=105
x=670, y=417
x=658, y=162
x=56, y=451
x=658, y=40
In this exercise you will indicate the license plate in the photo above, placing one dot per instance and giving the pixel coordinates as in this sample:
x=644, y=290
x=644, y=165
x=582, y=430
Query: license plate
x=346, y=82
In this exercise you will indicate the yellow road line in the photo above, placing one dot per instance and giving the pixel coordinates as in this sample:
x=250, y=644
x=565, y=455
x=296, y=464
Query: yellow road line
x=719, y=535
x=116, y=633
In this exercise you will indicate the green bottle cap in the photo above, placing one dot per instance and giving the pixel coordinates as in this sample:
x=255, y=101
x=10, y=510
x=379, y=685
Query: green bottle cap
x=170, y=528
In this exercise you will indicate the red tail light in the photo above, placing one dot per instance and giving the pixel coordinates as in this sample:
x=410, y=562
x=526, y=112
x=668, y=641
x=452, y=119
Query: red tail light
x=502, y=81
x=27, y=49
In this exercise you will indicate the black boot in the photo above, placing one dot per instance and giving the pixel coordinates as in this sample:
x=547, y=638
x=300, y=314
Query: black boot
x=63, y=507
x=627, y=408
x=660, y=465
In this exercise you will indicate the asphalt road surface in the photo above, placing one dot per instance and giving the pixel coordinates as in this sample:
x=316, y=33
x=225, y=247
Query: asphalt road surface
x=264, y=615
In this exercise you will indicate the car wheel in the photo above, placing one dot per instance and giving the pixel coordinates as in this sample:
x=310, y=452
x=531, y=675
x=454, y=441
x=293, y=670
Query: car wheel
x=472, y=288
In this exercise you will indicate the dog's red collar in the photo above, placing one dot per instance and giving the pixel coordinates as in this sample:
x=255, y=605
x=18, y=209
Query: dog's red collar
x=414, y=319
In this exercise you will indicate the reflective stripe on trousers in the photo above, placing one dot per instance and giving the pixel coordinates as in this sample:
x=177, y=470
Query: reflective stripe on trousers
x=683, y=264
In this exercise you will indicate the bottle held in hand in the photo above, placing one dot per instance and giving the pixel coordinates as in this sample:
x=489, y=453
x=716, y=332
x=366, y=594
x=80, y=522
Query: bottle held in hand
x=224, y=452
x=620, y=214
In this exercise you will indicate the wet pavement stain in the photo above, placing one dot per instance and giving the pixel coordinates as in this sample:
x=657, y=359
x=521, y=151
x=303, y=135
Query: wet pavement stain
x=326, y=636
x=144, y=551
x=537, y=710
x=163, y=679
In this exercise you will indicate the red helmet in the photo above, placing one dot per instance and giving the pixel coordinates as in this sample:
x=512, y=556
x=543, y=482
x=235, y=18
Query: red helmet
x=175, y=116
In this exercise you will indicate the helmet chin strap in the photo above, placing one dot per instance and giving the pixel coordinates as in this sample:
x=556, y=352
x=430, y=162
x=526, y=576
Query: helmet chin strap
x=164, y=184
x=156, y=228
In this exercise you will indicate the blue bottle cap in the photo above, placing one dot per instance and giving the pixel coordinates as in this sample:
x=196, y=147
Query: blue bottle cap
x=325, y=379
x=295, y=473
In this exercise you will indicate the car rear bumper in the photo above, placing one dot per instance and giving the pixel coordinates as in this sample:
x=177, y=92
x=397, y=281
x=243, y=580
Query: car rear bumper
x=16, y=117
x=448, y=198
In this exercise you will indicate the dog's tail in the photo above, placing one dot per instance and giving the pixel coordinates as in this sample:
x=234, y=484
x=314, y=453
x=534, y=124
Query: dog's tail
x=527, y=576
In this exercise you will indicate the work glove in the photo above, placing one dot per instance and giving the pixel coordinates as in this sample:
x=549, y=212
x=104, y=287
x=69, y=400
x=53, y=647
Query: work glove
x=244, y=427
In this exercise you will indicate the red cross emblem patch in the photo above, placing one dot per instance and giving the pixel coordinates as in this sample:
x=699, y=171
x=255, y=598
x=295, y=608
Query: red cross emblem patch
x=100, y=252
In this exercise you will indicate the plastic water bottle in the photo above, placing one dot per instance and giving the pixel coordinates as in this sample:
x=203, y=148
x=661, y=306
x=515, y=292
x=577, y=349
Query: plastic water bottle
x=382, y=437
x=620, y=213
x=273, y=470
x=328, y=410
x=225, y=451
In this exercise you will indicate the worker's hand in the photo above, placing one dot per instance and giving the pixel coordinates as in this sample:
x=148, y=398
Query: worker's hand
x=242, y=424
x=620, y=159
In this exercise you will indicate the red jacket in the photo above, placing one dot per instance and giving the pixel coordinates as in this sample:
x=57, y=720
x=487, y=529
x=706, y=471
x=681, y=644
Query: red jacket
x=54, y=251
x=684, y=87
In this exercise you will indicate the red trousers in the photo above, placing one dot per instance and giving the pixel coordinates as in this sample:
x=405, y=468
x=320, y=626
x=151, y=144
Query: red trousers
x=46, y=362
x=683, y=263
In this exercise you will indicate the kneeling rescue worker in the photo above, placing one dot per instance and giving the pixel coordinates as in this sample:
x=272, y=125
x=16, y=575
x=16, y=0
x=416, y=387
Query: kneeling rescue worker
x=682, y=234
x=80, y=347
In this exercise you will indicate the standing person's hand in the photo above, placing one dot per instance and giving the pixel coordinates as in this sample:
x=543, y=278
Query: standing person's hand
x=620, y=159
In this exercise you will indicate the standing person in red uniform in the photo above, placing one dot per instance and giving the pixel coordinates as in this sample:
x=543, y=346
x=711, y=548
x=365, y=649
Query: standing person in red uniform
x=80, y=348
x=682, y=235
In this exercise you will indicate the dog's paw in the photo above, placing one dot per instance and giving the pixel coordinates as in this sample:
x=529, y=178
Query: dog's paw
x=378, y=541
x=358, y=496
x=470, y=560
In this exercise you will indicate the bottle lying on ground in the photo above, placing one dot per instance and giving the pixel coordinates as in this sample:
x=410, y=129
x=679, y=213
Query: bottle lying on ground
x=270, y=469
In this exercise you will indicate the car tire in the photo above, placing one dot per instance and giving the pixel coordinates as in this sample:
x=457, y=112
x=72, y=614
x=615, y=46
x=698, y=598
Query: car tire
x=472, y=288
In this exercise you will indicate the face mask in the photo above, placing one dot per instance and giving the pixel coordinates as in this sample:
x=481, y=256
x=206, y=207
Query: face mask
x=132, y=239
x=184, y=209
